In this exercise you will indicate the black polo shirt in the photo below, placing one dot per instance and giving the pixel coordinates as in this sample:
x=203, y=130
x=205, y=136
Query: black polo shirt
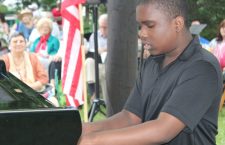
x=189, y=89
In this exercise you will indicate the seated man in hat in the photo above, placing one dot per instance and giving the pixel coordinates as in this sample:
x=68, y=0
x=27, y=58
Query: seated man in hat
x=25, y=24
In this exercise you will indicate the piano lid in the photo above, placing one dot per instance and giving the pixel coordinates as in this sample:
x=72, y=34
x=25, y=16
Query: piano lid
x=14, y=94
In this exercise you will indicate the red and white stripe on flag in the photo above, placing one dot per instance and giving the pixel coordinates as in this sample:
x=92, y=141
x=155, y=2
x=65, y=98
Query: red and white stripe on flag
x=72, y=79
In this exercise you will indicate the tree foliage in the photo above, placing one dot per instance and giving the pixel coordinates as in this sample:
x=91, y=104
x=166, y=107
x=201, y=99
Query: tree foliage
x=48, y=4
x=3, y=8
x=210, y=12
x=45, y=4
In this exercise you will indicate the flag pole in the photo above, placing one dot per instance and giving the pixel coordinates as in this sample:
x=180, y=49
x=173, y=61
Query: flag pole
x=85, y=111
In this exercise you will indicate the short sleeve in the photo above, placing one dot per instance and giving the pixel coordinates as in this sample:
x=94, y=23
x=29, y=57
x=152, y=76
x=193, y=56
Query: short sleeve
x=133, y=103
x=197, y=88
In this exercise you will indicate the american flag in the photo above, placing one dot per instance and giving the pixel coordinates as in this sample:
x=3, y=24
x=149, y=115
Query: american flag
x=72, y=79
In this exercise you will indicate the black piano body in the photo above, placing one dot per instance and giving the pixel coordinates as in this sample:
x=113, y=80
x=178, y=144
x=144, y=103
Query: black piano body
x=27, y=118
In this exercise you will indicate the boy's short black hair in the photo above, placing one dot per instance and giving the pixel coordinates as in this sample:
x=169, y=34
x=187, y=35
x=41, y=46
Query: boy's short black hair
x=172, y=8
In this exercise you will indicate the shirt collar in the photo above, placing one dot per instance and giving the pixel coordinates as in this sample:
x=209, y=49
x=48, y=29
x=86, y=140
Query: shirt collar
x=158, y=58
x=100, y=34
x=190, y=49
x=187, y=53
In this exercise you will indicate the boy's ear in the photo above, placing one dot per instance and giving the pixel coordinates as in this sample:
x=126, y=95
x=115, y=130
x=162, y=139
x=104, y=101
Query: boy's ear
x=179, y=23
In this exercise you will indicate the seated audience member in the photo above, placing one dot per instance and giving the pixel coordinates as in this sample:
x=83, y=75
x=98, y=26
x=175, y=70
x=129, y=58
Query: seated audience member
x=4, y=33
x=25, y=66
x=55, y=28
x=102, y=50
x=4, y=28
x=46, y=47
x=26, y=23
x=218, y=45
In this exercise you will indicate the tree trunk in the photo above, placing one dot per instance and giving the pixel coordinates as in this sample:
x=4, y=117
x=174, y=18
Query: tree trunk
x=121, y=64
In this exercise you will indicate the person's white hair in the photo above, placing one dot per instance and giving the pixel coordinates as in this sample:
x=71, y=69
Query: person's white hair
x=44, y=21
x=102, y=18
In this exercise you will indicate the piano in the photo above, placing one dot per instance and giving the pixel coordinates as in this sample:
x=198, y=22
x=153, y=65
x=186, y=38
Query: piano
x=27, y=118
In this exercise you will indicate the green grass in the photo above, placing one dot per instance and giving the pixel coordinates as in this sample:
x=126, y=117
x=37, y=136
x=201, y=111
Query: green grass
x=97, y=117
x=220, y=138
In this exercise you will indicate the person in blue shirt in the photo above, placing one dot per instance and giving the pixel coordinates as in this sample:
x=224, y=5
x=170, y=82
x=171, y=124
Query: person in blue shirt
x=26, y=24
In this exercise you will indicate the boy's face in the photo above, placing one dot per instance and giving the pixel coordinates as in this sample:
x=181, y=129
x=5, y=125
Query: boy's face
x=157, y=30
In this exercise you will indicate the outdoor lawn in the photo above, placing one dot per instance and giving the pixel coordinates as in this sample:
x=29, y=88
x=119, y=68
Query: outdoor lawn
x=221, y=136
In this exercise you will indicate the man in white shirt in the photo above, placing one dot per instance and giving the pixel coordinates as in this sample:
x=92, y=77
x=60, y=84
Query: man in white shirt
x=102, y=50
